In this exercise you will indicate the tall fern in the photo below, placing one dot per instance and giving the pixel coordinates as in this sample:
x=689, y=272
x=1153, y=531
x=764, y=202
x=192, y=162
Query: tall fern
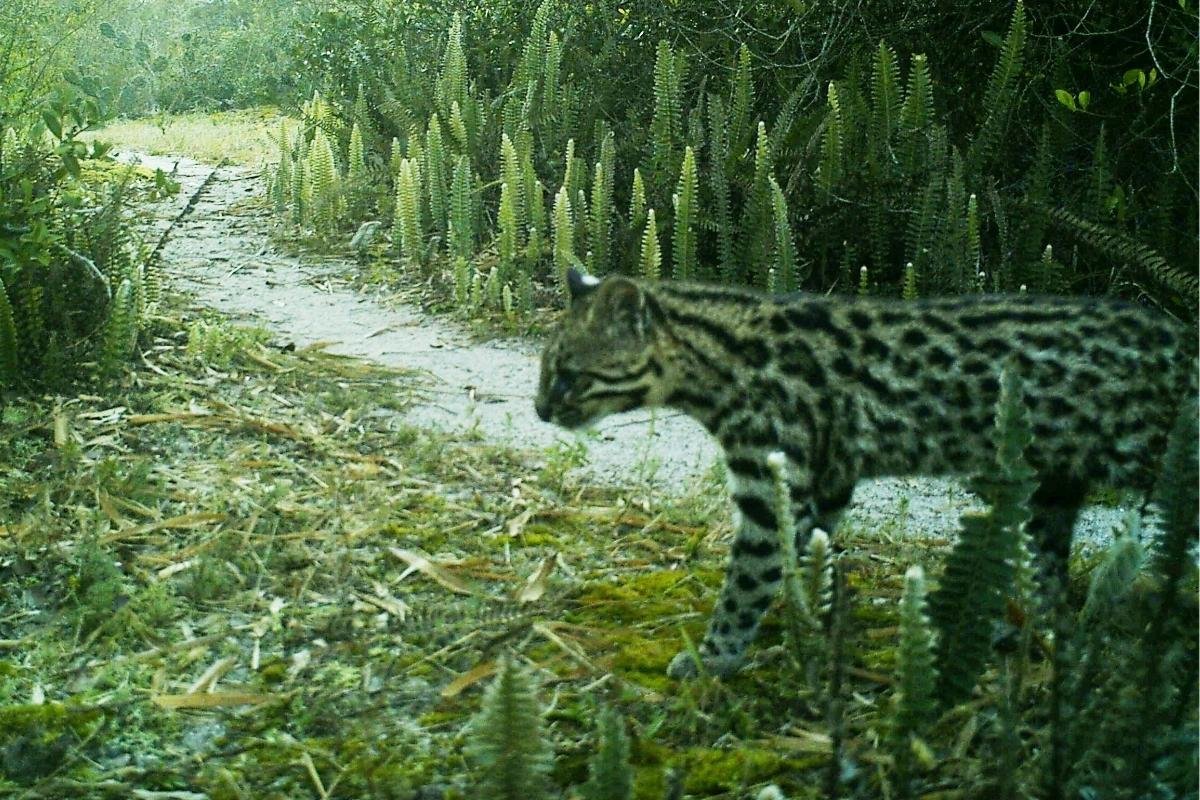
x=757, y=226
x=979, y=574
x=435, y=176
x=506, y=219
x=666, y=128
x=686, y=198
x=9, y=362
x=328, y=203
x=718, y=185
x=1000, y=94
x=120, y=329
x=885, y=109
x=356, y=169
x=916, y=115
x=564, y=237
x=511, y=175
x=507, y=739
x=651, y=260
x=833, y=145
x=407, y=227
x=915, y=704
x=740, y=129
x=785, y=248
x=462, y=209
x=610, y=776
x=602, y=205
x=452, y=83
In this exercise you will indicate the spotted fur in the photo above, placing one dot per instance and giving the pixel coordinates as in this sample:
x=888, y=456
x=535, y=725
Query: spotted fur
x=850, y=388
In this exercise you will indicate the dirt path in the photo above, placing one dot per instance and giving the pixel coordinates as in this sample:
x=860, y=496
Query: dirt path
x=222, y=252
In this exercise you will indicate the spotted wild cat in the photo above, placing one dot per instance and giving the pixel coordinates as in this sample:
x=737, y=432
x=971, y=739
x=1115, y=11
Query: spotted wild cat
x=850, y=388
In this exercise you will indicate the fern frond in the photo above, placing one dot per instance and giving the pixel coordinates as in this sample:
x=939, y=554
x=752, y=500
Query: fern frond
x=435, y=175
x=1000, y=94
x=686, y=198
x=462, y=209
x=8, y=342
x=979, y=574
x=832, y=146
x=602, y=205
x=507, y=738
x=885, y=108
x=356, y=169
x=785, y=248
x=718, y=181
x=564, y=238
x=916, y=114
x=1173, y=286
x=757, y=227
x=610, y=777
x=740, y=130
x=651, y=260
x=120, y=329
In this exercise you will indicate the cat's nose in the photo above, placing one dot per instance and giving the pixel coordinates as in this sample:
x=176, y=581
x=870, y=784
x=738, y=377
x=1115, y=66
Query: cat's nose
x=543, y=409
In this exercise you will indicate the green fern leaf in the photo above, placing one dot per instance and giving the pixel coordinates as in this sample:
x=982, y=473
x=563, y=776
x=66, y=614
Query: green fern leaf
x=1000, y=95
x=9, y=362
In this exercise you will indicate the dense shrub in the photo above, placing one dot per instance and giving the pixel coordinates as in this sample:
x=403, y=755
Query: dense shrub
x=1009, y=130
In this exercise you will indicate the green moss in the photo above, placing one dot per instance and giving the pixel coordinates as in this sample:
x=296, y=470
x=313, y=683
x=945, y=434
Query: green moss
x=710, y=771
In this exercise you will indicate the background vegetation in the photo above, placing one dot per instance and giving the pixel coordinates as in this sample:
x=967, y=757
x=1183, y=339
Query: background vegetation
x=879, y=147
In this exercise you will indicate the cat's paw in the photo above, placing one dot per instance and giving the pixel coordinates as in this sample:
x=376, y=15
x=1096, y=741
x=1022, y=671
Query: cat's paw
x=684, y=666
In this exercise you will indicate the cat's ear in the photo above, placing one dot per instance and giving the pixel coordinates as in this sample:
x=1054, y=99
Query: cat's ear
x=623, y=302
x=580, y=285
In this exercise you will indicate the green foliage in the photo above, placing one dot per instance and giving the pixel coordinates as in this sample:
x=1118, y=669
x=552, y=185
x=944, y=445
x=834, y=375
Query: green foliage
x=740, y=127
x=610, y=776
x=8, y=342
x=1000, y=95
x=1178, y=497
x=463, y=211
x=833, y=145
x=507, y=740
x=916, y=677
x=667, y=127
x=509, y=231
x=718, y=186
x=327, y=203
x=602, y=206
x=686, y=196
x=797, y=612
x=910, y=282
x=407, y=227
x=757, y=224
x=916, y=115
x=785, y=249
x=435, y=176
x=885, y=167
x=356, y=163
x=564, y=238
x=651, y=259
x=885, y=108
x=979, y=574
x=637, y=205
x=120, y=330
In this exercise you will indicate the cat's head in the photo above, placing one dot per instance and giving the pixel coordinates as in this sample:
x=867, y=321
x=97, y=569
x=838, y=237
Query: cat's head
x=603, y=357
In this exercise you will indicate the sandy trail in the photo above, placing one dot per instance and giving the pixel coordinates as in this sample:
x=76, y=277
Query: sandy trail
x=222, y=253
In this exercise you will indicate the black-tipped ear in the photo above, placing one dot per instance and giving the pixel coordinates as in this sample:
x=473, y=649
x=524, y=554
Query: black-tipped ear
x=580, y=285
x=624, y=302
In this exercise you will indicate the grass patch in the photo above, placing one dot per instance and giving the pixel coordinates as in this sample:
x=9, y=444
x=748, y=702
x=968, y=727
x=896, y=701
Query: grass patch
x=240, y=137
